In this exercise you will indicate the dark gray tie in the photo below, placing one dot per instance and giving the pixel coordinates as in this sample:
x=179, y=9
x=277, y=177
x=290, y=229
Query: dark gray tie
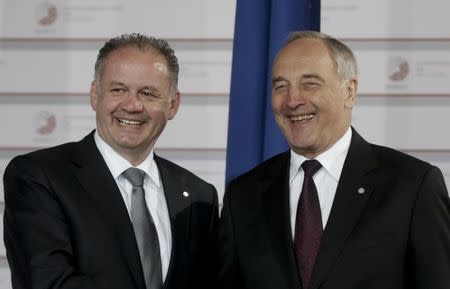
x=144, y=230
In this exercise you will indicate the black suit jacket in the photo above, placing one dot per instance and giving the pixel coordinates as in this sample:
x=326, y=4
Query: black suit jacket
x=66, y=225
x=396, y=235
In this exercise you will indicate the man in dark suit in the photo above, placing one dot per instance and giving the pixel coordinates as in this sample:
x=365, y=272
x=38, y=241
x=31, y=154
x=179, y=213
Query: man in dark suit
x=334, y=212
x=106, y=212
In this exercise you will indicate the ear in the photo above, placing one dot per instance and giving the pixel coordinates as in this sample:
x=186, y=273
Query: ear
x=174, y=103
x=94, y=95
x=352, y=89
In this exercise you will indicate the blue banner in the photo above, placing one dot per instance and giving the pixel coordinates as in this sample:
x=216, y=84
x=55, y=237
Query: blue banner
x=261, y=27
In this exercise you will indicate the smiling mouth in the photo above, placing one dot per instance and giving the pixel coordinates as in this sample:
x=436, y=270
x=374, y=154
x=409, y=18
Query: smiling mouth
x=303, y=117
x=129, y=122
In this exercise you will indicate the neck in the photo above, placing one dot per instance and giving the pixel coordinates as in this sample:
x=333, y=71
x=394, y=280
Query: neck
x=133, y=156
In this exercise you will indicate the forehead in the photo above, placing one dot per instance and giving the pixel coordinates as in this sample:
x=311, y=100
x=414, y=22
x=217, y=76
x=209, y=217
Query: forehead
x=128, y=56
x=136, y=68
x=306, y=52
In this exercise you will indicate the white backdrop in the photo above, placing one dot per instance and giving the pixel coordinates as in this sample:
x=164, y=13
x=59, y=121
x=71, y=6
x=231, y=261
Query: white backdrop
x=48, y=49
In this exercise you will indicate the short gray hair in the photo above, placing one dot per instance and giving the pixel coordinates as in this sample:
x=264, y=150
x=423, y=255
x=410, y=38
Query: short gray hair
x=142, y=43
x=341, y=54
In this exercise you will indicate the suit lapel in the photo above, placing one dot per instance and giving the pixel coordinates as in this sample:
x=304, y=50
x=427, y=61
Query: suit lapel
x=353, y=191
x=274, y=187
x=178, y=205
x=95, y=177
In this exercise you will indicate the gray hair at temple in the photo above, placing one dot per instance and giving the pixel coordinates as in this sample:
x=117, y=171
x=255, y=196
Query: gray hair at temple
x=341, y=54
x=142, y=43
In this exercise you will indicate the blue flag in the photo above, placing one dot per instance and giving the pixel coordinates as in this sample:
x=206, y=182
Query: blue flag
x=261, y=27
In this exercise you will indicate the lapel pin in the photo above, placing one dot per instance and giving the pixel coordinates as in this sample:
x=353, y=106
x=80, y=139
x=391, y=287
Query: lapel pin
x=185, y=194
x=361, y=191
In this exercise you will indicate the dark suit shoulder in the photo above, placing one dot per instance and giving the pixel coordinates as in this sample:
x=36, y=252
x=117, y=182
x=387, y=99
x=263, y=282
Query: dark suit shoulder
x=388, y=157
x=267, y=169
x=56, y=156
x=252, y=185
x=60, y=153
x=183, y=174
x=38, y=170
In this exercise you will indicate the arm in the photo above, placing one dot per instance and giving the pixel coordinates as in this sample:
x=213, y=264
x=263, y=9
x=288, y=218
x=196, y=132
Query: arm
x=205, y=276
x=228, y=274
x=430, y=234
x=36, y=231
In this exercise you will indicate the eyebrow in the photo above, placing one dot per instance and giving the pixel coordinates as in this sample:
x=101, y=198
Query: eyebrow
x=312, y=76
x=151, y=88
x=303, y=77
x=116, y=83
x=277, y=79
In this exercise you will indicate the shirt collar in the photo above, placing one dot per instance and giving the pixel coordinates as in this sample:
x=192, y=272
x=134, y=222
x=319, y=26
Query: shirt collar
x=332, y=160
x=117, y=164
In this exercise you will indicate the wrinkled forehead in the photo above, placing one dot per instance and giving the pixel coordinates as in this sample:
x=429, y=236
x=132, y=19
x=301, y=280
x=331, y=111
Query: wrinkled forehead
x=304, y=53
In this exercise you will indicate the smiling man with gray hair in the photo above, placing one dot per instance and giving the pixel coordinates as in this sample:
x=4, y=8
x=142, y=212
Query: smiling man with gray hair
x=333, y=212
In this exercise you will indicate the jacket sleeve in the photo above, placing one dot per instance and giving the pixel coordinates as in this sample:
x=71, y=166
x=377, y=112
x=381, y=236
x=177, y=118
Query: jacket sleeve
x=227, y=273
x=430, y=234
x=36, y=233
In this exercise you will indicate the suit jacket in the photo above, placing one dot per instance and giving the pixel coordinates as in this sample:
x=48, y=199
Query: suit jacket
x=395, y=235
x=66, y=225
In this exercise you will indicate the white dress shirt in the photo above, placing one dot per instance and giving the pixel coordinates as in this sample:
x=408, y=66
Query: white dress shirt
x=154, y=194
x=326, y=179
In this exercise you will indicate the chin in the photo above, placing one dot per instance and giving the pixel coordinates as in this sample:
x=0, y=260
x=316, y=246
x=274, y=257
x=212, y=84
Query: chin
x=126, y=143
x=302, y=141
x=302, y=145
x=301, y=148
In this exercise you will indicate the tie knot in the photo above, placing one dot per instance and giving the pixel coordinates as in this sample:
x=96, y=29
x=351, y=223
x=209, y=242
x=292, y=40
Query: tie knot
x=135, y=176
x=310, y=167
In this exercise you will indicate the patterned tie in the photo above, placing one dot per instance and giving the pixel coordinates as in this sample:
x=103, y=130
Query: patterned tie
x=144, y=230
x=308, y=224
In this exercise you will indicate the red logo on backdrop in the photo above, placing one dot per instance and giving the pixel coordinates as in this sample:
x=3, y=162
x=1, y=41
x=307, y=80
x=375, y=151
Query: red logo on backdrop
x=398, y=69
x=45, y=123
x=46, y=13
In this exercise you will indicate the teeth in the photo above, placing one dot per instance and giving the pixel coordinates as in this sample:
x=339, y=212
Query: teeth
x=129, y=122
x=302, y=117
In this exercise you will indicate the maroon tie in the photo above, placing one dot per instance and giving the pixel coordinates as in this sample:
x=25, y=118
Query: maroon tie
x=308, y=224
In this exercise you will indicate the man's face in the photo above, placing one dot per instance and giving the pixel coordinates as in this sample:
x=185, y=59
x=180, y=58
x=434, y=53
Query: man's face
x=310, y=103
x=132, y=101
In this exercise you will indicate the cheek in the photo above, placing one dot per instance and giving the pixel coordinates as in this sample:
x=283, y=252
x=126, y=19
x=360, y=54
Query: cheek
x=157, y=111
x=330, y=102
x=277, y=103
x=109, y=104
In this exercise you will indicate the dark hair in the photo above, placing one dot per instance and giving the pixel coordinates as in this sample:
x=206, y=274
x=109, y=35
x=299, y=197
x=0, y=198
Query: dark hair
x=143, y=43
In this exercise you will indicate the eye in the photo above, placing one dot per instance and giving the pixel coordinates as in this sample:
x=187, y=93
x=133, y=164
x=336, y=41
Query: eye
x=279, y=86
x=117, y=90
x=148, y=93
x=310, y=85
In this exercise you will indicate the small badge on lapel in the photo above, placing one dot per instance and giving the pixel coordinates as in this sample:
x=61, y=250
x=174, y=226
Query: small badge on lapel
x=361, y=191
x=185, y=194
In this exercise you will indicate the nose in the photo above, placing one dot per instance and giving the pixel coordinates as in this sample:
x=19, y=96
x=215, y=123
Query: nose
x=132, y=103
x=295, y=97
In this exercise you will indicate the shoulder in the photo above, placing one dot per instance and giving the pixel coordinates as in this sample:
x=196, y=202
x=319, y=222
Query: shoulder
x=32, y=174
x=268, y=169
x=254, y=184
x=57, y=156
x=388, y=160
x=394, y=159
x=169, y=168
